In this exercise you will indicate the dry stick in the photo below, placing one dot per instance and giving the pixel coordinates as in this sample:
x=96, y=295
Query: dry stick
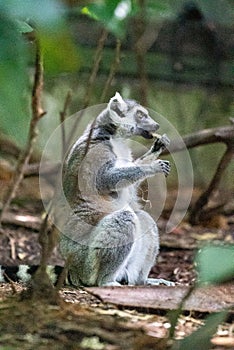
x=198, y=211
x=63, y=275
x=96, y=65
x=141, y=53
x=48, y=240
x=37, y=113
x=174, y=315
x=222, y=134
x=12, y=283
x=113, y=69
x=63, y=114
x=204, y=137
x=92, y=78
x=9, y=147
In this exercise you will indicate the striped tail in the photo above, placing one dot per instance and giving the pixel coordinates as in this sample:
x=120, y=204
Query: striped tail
x=23, y=273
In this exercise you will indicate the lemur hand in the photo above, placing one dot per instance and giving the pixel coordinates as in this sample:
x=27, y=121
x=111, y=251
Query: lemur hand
x=160, y=143
x=161, y=166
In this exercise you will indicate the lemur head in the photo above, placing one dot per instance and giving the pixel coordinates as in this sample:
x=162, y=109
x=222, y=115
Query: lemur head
x=130, y=118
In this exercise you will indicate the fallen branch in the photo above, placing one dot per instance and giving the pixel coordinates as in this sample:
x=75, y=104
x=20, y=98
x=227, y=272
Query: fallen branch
x=204, y=137
x=223, y=134
x=22, y=220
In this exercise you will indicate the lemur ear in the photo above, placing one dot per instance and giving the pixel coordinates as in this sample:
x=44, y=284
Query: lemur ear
x=117, y=98
x=117, y=107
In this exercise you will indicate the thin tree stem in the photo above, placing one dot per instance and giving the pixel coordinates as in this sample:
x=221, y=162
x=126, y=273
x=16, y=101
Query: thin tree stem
x=37, y=113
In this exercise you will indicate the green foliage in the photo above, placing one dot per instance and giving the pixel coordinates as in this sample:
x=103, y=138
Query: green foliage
x=200, y=339
x=112, y=13
x=13, y=79
x=158, y=10
x=24, y=27
x=215, y=264
x=60, y=54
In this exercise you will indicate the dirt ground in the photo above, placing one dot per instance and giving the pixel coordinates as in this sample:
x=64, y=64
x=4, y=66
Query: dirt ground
x=78, y=319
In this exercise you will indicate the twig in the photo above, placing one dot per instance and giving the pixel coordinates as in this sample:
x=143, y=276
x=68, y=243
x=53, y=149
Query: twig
x=37, y=113
x=197, y=213
x=64, y=273
x=47, y=240
x=92, y=78
x=113, y=70
x=9, y=147
x=96, y=65
x=174, y=315
x=141, y=53
x=63, y=114
x=223, y=134
x=12, y=283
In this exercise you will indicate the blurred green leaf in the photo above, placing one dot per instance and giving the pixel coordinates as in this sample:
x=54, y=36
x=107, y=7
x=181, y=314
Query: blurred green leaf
x=200, y=339
x=41, y=13
x=158, y=10
x=113, y=14
x=48, y=18
x=59, y=52
x=23, y=27
x=215, y=264
x=13, y=81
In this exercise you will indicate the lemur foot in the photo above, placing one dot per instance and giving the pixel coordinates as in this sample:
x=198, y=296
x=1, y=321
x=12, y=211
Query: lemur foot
x=111, y=284
x=160, y=143
x=158, y=281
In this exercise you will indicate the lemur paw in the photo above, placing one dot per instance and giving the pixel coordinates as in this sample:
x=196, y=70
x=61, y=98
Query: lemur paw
x=163, y=166
x=158, y=281
x=166, y=167
x=160, y=143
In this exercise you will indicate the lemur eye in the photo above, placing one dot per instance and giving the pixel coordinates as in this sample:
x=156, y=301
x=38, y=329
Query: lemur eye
x=115, y=100
x=141, y=115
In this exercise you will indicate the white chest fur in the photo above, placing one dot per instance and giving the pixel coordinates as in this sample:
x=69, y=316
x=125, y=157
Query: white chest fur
x=126, y=195
x=122, y=151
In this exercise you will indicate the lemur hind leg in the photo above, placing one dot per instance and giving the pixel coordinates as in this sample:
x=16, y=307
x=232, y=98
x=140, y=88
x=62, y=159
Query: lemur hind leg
x=144, y=253
x=100, y=258
x=112, y=242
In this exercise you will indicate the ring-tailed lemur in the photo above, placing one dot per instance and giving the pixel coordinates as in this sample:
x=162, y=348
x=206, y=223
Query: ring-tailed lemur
x=108, y=239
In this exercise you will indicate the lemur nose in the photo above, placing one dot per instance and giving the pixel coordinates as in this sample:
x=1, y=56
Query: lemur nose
x=156, y=126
